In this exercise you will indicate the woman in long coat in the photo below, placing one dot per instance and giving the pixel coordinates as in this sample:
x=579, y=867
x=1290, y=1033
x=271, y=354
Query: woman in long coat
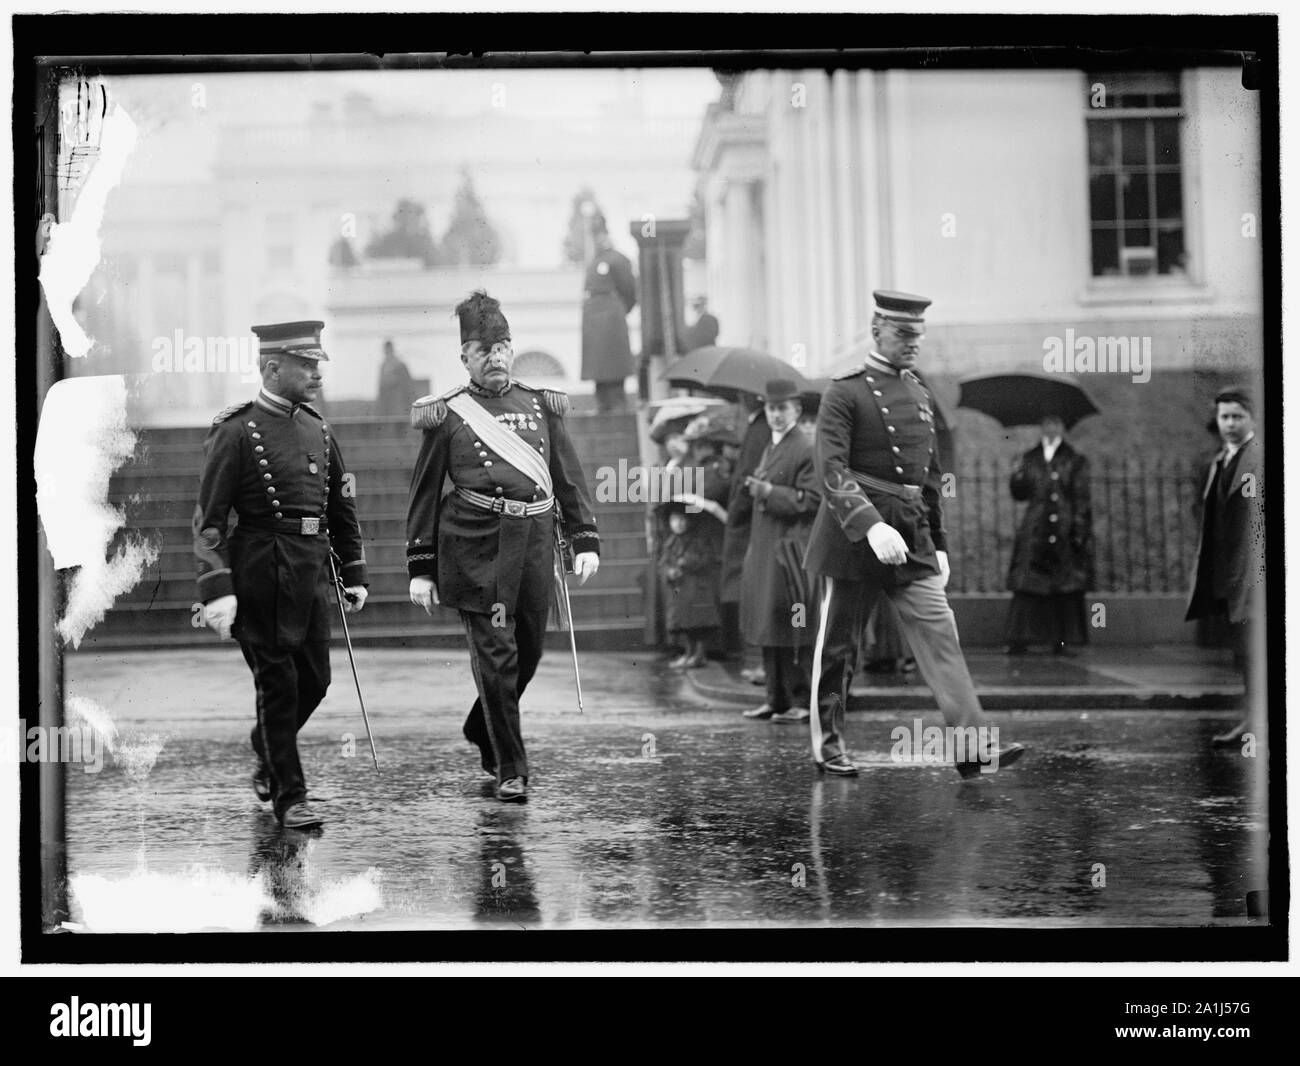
x=1052, y=563
x=778, y=600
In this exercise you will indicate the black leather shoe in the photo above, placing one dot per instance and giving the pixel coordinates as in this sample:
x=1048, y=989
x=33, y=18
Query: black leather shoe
x=975, y=768
x=300, y=816
x=513, y=790
x=794, y=714
x=759, y=712
x=262, y=784
x=839, y=765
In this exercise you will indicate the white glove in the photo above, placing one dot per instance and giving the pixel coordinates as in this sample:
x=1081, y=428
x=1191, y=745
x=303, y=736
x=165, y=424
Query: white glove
x=887, y=543
x=219, y=615
x=944, y=571
x=354, y=598
x=424, y=593
x=585, y=565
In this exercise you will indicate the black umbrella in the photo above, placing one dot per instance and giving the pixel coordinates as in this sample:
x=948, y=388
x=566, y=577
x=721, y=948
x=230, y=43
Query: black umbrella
x=1025, y=399
x=727, y=371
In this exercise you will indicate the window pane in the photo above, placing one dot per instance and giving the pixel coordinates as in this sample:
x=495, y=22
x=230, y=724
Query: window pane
x=1169, y=195
x=1137, y=236
x=1166, y=138
x=1136, y=200
x=1105, y=252
x=1101, y=144
x=1171, y=257
x=1103, y=197
x=1133, y=138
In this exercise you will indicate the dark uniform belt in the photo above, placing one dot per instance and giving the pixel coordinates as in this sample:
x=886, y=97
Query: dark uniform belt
x=892, y=488
x=502, y=506
x=307, y=527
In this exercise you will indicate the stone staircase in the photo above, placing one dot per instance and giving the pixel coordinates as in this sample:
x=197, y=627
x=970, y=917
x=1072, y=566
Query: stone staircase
x=157, y=491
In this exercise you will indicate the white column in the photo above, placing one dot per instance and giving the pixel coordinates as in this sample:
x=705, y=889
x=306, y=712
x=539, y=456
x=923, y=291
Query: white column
x=846, y=208
x=867, y=192
x=826, y=240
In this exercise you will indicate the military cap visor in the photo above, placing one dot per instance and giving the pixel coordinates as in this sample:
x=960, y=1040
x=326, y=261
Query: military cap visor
x=291, y=338
x=900, y=307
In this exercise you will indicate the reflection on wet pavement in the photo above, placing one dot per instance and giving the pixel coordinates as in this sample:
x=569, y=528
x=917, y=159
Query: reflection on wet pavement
x=655, y=809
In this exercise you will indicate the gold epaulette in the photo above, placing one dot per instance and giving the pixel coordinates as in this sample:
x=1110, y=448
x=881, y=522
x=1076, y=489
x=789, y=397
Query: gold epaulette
x=231, y=411
x=428, y=412
x=852, y=372
x=557, y=402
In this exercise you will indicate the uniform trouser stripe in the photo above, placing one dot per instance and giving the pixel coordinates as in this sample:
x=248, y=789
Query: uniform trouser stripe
x=290, y=684
x=503, y=660
x=814, y=708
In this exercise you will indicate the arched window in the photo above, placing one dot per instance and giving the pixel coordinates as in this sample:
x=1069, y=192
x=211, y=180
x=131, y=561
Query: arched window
x=537, y=364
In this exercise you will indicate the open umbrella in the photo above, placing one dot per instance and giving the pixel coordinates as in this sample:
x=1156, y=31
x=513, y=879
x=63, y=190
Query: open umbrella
x=727, y=371
x=1025, y=399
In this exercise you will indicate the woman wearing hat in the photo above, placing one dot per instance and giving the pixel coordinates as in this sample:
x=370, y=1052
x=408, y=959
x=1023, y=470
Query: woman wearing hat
x=1052, y=560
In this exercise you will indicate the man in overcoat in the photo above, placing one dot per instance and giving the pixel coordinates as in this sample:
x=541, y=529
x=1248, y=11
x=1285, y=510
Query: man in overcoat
x=879, y=531
x=1229, y=573
x=778, y=603
x=486, y=548
x=275, y=462
x=610, y=294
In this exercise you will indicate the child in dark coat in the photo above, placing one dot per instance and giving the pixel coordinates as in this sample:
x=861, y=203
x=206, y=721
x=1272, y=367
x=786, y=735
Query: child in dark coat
x=688, y=562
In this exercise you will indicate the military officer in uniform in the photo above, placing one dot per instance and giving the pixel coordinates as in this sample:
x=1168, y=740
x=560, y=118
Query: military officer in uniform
x=275, y=462
x=879, y=531
x=486, y=548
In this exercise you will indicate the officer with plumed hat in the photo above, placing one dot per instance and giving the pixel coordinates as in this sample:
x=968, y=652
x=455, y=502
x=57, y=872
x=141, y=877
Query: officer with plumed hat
x=276, y=463
x=879, y=531
x=486, y=549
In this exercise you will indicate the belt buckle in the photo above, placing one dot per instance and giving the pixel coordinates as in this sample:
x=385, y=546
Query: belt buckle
x=515, y=508
x=309, y=526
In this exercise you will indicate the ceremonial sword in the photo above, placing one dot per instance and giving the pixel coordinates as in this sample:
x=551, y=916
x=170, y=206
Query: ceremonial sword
x=343, y=615
x=563, y=566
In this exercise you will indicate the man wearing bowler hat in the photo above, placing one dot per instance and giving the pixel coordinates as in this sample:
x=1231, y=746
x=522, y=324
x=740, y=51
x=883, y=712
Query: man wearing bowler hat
x=879, y=531
x=275, y=462
x=778, y=605
x=486, y=548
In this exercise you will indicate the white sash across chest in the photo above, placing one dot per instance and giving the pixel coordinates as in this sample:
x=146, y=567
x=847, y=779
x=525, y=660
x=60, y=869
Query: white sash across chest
x=502, y=441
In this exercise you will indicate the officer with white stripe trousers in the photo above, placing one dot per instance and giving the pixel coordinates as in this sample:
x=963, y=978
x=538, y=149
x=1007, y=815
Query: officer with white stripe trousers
x=486, y=548
x=879, y=531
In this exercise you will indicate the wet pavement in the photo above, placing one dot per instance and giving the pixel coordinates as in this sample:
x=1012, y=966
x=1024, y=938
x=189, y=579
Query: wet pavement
x=657, y=807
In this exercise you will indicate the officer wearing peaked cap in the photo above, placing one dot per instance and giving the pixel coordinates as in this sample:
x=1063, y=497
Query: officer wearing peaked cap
x=879, y=531
x=274, y=461
x=486, y=548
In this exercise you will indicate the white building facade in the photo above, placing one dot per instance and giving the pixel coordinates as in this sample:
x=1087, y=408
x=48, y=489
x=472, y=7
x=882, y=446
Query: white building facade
x=1025, y=203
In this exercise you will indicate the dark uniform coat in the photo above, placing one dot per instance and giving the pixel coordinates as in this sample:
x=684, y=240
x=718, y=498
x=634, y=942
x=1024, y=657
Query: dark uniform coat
x=1230, y=554
x=478, y=558
x=740, y=508
x=774, y=580
x=274, y=466
x=610, y=295
x=1053, y=551
x=703, y=333
x=875, y=422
